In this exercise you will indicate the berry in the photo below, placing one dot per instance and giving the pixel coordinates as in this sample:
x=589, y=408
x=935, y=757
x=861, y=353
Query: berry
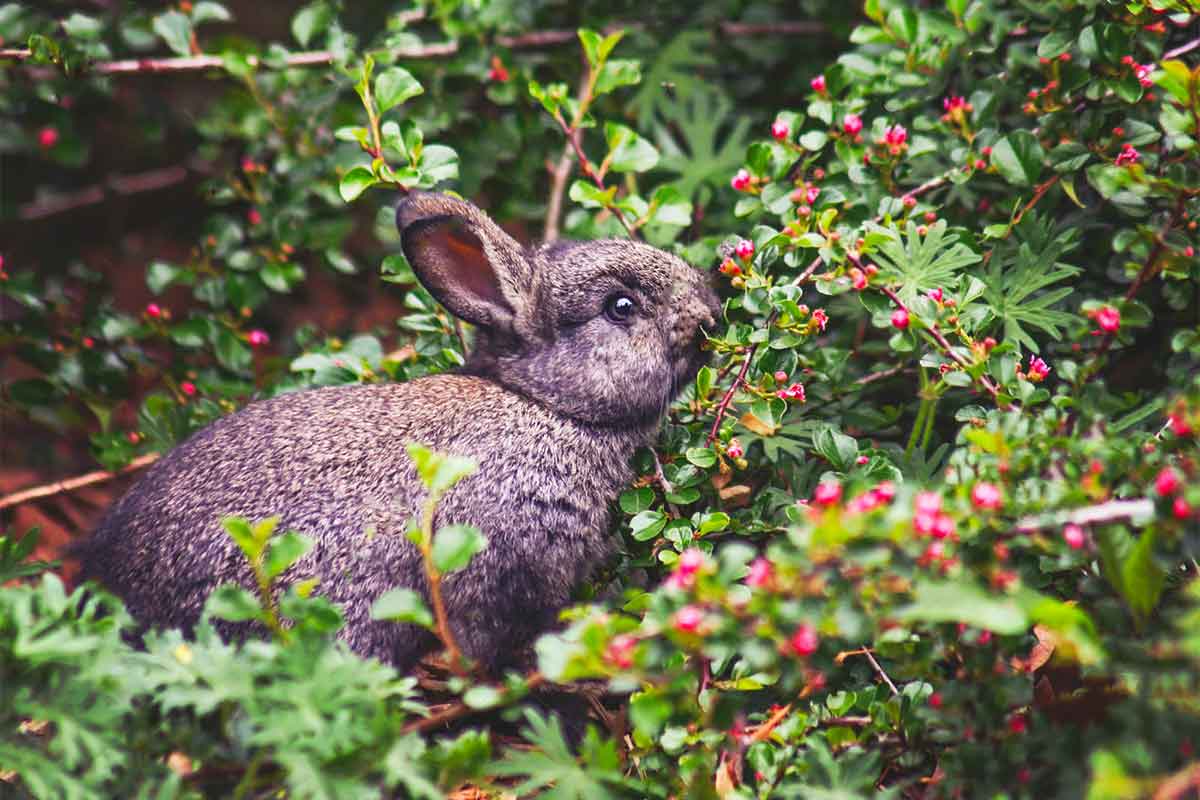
x=900, y=319
x=744, y=249
x=188, y=388
x=1167, y=482
x=258, y=338
x=1074, y=536
x=740, y=181
x=1017, y=724
x=852, y=124
x=88, y=343
x=153, y=310
x=862, y=460
x=935, y=700
x=818, y=84
x=688, y=619
x=780, y=376
x=254, y=217
x=804, y=641
x=780, y=130
x=827, y=493
x=47, y=137
x=1180, y=508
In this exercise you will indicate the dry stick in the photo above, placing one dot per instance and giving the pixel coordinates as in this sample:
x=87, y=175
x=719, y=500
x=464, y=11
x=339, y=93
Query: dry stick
x=558, y=186
x=879, y=670
x=945, y=345
x=71, y=484
x=460, y=709
x=1181, y=50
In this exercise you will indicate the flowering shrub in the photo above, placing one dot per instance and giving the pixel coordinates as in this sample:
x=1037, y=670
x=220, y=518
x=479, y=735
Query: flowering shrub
x=925, y=526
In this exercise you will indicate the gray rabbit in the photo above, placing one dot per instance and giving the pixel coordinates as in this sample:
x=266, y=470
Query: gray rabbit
x=580, y=347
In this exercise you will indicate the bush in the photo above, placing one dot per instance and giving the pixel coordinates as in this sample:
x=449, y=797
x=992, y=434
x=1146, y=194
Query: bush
x=926, y=526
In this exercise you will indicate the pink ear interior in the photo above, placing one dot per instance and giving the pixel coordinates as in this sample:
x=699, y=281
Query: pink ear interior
x=468, y=264
x=450, y=259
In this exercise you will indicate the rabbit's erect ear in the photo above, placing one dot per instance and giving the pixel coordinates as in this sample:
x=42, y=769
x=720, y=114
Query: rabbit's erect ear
x=465, y=260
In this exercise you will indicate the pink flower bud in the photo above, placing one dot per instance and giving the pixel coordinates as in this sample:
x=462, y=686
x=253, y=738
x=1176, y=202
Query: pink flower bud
x=1167, y=482
x=735, y=449
x=900, y=319
x=928, y=502
x=744, y=249
x=688, y=619
x=761, y=573
x=986, y=496
x=818, y=84
x=188, y=388
x=852, y=124
x=804, y=641
x=48, y=137
x=1109, y=319
x=620, y=650
x=740, y=180
x=258, y=338
x=1074, y=536
x=1180, y=508
x=153, y=310
x=780, y=130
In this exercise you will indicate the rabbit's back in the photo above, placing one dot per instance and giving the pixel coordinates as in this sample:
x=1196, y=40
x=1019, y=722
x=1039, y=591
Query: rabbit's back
x=332, y=464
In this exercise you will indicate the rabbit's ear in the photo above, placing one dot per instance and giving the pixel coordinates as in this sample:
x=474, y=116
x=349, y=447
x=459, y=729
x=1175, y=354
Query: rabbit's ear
x=465, y=260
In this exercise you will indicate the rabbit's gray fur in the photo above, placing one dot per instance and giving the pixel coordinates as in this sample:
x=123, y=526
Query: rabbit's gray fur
x=552, y=403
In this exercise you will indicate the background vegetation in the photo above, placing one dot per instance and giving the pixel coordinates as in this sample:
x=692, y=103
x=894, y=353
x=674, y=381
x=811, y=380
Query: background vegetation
x=925, y=527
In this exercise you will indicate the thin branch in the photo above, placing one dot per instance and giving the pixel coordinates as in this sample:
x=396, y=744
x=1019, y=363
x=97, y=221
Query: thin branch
x=733, y=387
x=1138, y=512
x=945, y=345
x=878, y=376
x=585, y=166
x=114, y=185
x=460, y=709
x=866, y=651
x=1181, y=50
x=72, y=484
x=558, y=187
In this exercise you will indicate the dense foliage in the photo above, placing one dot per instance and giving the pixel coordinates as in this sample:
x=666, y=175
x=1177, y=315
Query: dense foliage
x=927, y=524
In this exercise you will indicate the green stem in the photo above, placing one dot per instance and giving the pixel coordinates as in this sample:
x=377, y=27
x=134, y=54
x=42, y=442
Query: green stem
x=929, y=418
x=922, y=412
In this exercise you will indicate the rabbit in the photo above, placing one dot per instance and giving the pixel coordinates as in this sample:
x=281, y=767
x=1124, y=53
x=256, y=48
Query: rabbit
x=579, y=349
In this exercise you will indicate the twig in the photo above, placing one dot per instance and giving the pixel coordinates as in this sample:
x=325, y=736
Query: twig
x=115, y=185
x=944, y=343
x=658, y=474
x=866, y=651
x=878, y=376
x=1181, y=50
x=460, y=709
x=71, y=484
x=724, y=404
x=1138, y=512
x=434, y=578
x=558, y=186
x=764, y=730
x=585, y=166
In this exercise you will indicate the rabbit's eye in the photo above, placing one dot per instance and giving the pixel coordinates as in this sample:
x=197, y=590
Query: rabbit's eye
x=619, y=307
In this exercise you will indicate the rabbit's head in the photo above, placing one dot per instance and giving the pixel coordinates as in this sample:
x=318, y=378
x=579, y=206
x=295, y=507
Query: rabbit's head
x=605, y=332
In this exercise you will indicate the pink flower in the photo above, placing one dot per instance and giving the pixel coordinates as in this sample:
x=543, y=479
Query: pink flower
x=740, y=181
x=900, y=319
x=1179, y=425
x=986, y=496
x=862, y=460
x=258, y=338
x=620, y=650
x=811, y=193
x=885, y=491
x=936, y=295
x=928, y=502
x=1109, y=319
x=780, y=130
x=761, y=573
x=821, y=318
x=688, y=619
x=943, y=527
x=498, y=72
x=1142, y=72
x=804, y=641
x=735, y=449
x=1038, y=369
x=188, y=388
x=852, y=124
x=954, y=103
x=47, y=137
x=793, y=392
x=1128, y=155
x=924, y=523
x=818, y=84
x=744, y=249
x=686, y=568
x=153, y=310
x=827, y=493
x=895, y=136
x=1074, y=536
x=1167, y=482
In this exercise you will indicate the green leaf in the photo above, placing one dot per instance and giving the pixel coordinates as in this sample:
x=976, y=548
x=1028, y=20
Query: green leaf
x=233, y=603
x=920, y=263
x=356, y=181
x=284, y=551
x=671, y=207
x=617, y=73
x=160, y=275
x=589, y=195
x=439, y=471
x=634, y=500
x=309, y=20
x=647, y=525
x=962, y=601
x=702, y=457
x=231, y=351
x=81, y=26
x=1018, y=157
x=176, y=30
x=402, y=605
x=394, y=86
x=591, y=46
x=628, y=152
x=455, y=545
x=1130, y=567
x=837, y=448
x=208, y=11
